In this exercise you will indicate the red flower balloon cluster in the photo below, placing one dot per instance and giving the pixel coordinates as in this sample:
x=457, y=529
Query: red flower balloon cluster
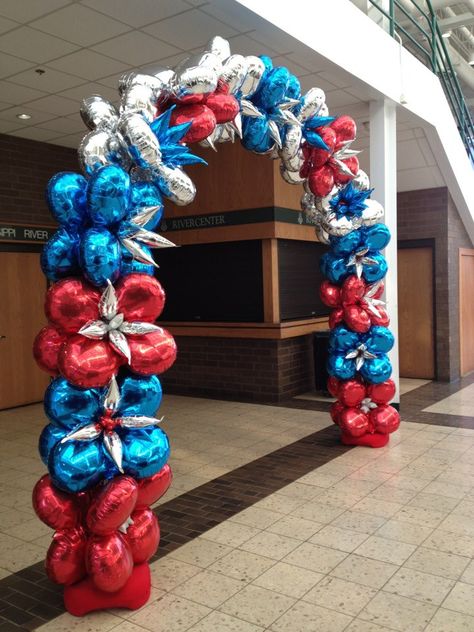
x=91, y=335
x=335, y=165
x=363, y=408
x=101, y=534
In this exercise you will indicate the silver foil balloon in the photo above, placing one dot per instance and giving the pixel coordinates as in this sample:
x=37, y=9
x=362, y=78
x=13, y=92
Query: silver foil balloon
x=322, y=236
x=324, y=203
x=195, y=80
x=373, y=213
x=361, y=181
x=176, y=185
x=233, y=73
x=165, y=75
x=311, y=103
x=141, y=99
x=292, y=142
x=337, y=227
x=220, y=47
x=307, y=203
x=141, y=142
x=132, y=78
x=296, y=162
x=292, y=177
x=323, y=110
x=102, y=147
x=253, y=76
x=98, y=112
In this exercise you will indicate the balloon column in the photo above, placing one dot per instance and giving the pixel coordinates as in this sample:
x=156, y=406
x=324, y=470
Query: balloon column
x=104, y=449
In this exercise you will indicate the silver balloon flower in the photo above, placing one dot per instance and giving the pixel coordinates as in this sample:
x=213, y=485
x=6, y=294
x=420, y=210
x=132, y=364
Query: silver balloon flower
x=360, y=354
x=359, y=260
x=371, y=303
x=97, y=112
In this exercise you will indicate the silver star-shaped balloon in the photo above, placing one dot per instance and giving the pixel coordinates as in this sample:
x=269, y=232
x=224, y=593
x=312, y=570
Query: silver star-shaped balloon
x=360, y=354
x=105, y=427
x=342, y=154
x=370, y=302
x=113, y=325
x=367, y=405
x=136, y=233
x=359, y=260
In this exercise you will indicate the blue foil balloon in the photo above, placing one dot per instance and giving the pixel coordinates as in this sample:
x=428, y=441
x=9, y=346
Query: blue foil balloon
x=68, y=406
x=343, y=338
x=145, y=451
x=66, y=196
x=77, y=465
x=294, y=88
x=100, y=256
x=377, y=370
x=342, y=246
x=376, y=237
x=379, y=339
x=334, y=268
x=129, y=265
x=59, y=257
x=255, y=134
x=139, y=395
x=372, y=273
x=144, y=194
x=108, y=195
x=273, y=88
x=48, y=439
x=340, y=367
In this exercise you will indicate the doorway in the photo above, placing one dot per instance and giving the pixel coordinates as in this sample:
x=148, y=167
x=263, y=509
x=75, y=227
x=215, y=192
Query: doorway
x=466, y=310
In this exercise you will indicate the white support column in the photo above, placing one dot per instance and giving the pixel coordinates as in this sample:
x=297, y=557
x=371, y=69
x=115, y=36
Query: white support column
x=383, y=178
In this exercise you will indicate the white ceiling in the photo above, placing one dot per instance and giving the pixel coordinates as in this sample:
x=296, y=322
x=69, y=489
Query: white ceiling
x=85, y=45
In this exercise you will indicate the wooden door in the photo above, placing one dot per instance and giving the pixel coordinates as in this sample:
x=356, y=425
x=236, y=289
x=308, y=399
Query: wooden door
x=22, y=288
x=416, y=313
x=466, y=309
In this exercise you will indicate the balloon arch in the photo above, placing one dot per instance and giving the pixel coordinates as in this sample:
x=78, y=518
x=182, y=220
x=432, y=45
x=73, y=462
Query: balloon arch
x=104, y=449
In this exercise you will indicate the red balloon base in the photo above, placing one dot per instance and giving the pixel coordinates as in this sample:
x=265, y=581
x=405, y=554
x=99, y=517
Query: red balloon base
x=84, y=597
x=375, y=440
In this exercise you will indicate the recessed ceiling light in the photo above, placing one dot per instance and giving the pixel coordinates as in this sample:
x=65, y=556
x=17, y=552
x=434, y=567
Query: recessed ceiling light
x=23, y=117
x=447, y=34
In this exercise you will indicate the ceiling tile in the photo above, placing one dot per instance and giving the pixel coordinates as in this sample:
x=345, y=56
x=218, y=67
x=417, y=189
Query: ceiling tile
x=167, y=62
x=50, y=81
x=65, y=125
x=245, y=45
x=339, y=77
x=88, y=65
x=26, y=10
x=80, y=25
x=271, y=36
x=70, y=140
x=128, y=12
x=338, y=99
x=233, y=14
x=409, y=155
x=15, y=94
x=281, y=60
x=33, y=45
x=8, y=126
x=35, y=133
x=55, y=105
x=37, y=117
x=136, y=49
x=314, y=81
x=307, y=58
x=189, y=30
x=419, y=178
x=80, y=92
x=7, y=25
x=10, y=65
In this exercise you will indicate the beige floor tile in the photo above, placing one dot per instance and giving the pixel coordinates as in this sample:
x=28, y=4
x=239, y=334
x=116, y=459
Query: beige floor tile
x=449, y=621
x=320, y=479
x=457, y=523
x=315, y=558
x=300, y=490
x=341, y=595
x=420, y=516
x=420, y=586
x=343, y=498
x=363, y=570
x=220, y=622
x=209, y=588
x=398, y=613
x=289, y=580
x=385, y=550
x=468, y=576
x=437, y=563
x=166, y=573
x=294, y=527
x=257, y=605
x=318, y=512
x=377, y=507
x=94, y=622
x=242, y=565
x=358, y=521
x=436, y=502
x=128, y=626
x=15, y=559
x=200, y=552
x=465, y=508
x=395, y=494
x=461, y=599
x=404, y=532
x=270, y=545
x=230, y=533
x=337, y=538
x=280, y=503
x=308, y=617
x=364, y=626
x=450, y=543
x=170, y=614
x=256, y=517
x=404, y=481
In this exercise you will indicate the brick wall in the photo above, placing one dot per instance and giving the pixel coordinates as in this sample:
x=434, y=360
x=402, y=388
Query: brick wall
x=25, y=168
x=259, y=370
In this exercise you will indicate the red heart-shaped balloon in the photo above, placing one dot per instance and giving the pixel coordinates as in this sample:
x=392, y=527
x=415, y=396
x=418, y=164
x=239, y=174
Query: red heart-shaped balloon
x=321, y=181
x=353, y=165
x=357, y=318
x=345, y=129
x=65, y=559
x=330, y=294
x=88, y=363
x=354, y=422
x=382, y=393
x=143, y=536
x=113, y=505
x=225, y=106
x=152, y=488
x=140, y=298
x=152, y=353
x=351, y=393
x=202, y=119
x=109, y=561
x=353, y=290
x=71, y=303
x=46, y=348
x=54, y=507
x=385, y=419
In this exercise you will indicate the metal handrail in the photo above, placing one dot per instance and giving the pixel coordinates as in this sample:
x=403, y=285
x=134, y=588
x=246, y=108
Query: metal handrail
x=427, y=44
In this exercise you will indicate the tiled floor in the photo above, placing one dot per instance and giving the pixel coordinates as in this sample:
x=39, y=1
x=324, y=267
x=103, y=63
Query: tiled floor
x=307, y=536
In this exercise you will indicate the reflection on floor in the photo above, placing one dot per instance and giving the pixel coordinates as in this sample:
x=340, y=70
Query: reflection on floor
x=366, y=541
x=461, y=403
x=406, y=385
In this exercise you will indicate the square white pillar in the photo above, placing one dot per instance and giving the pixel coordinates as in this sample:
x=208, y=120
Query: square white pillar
x=383, y=178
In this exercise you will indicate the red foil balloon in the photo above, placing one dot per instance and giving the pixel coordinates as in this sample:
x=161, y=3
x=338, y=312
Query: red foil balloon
x=65, y=559
x=140, y=298
x=225, y=106
x=336, y=317
x=46, y=348
x=351, y=393
x=345, y=128
x=333, y=385
x=88, y=363
x=335, y=411
x=152, y=353
x=143, y=535
x=353, y=290
x=321, y=181
x=71, y=303
x=353, y=164
x=109, y=561
x=354, y=422
x=152, y=488
x=357, y=319
x=113, y=505
x=54, y=507
x=202, y=118
x=385, y=419
x=382, y=393
x=330, y=294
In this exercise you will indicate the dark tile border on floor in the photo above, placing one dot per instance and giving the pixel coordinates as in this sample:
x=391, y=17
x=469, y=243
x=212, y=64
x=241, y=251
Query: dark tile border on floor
x=28, y=599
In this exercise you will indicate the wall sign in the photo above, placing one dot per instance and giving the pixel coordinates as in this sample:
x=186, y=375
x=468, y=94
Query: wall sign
x=33, y=234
